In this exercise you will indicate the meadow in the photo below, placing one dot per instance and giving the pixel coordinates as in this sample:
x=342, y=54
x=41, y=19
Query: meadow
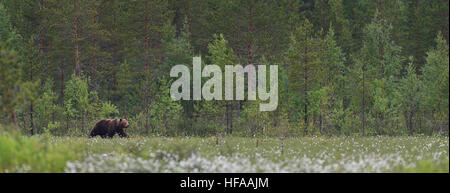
x=46, y=153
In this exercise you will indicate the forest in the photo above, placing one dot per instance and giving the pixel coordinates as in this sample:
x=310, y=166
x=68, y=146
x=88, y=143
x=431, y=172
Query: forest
x=346, y=67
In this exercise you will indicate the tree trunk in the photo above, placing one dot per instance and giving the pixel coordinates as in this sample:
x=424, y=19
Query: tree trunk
x=82, y=121
x=305, y=88
x=31, y=102
x=125, y=100
x=189, y=20
x=41, y=46
x=227, y=113
x=75, y=33
x=48, y=56
x=114, y=81
x=62, y=83
x=31, y=119
x=380, y=7
x=53, y=103
x=320, y=122
x=230, y=116
x=363, y=102
x=411, y=122
x=250, y=31
x=147, y=69
x=95, y=44
x=11, y=108
x=94, y=63
x=13, y=117
x=323, y=17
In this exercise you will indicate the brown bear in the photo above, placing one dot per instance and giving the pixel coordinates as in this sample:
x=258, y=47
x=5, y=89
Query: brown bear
x=109, y=127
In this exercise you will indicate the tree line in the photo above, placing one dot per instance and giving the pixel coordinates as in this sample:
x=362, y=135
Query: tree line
x=368, y=67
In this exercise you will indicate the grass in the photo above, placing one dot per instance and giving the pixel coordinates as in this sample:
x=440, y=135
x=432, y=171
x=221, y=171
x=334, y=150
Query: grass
x=230, y=154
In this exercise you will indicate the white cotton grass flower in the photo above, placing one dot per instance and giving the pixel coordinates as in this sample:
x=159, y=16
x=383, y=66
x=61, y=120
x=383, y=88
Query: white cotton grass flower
x=304, y=155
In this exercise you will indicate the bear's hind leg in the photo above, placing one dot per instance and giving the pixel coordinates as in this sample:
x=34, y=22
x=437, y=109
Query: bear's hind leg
x=110, y=135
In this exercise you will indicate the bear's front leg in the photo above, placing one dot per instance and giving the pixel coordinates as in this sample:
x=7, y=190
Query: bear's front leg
x=122, y=134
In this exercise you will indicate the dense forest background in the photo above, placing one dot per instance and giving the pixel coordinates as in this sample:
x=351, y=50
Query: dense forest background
x=346, y=67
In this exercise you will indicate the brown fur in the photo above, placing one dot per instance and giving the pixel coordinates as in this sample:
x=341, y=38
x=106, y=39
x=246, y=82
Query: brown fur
x=109, y=127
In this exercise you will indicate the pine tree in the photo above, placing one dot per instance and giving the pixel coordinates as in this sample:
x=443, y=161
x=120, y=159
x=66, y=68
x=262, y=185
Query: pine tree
x=380, y=66
x=302, y=61
x=9, y=79
x=221, y=54
x=435, y=84
x=334, y=75
x=341, y=26
x=409, y=90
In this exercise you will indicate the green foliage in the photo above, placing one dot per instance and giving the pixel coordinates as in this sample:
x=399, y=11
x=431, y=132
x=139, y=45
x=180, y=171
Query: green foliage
x=341, y=25
x=10, y=80
x=51, y=128
x=435, y=84
x=108, y=110
x=209, y=118
x=45, y=106
x=77, y=94
x=166, y=113
x=6, y=31
x=220, y=52
x=377, y=69
x=80, y=105
x=341, y=63
x=124, y=88
x=409, y=96
x=252, y=121
x=34, y=154
x=302, y=59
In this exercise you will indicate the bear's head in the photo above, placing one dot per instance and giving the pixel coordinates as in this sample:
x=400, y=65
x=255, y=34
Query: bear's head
x=124, y=123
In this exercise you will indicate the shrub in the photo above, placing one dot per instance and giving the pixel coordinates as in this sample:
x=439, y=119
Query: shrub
x=34, y=154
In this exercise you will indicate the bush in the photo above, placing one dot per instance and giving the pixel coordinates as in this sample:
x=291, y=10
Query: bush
x=34, y=154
